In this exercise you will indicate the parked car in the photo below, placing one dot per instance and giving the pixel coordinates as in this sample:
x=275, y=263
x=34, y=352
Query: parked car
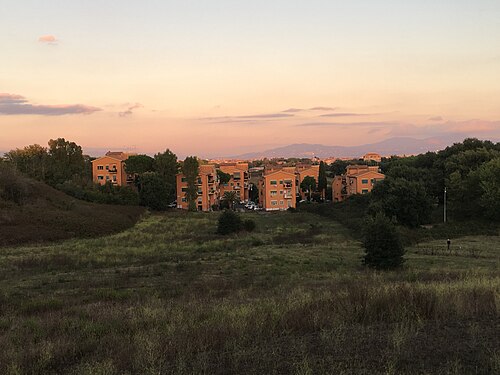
x=172, y=205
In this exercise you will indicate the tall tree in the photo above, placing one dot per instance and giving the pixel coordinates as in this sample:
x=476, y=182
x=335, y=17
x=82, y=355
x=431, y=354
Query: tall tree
x=191, y=170
x=166, y=165
x=308, y=185
x=31, y=160
x=153, y=193
x=139, y=164
x=322, y=182
x=65, y=161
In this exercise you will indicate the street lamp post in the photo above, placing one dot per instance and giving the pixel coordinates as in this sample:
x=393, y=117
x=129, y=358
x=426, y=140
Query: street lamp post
x=444, y=210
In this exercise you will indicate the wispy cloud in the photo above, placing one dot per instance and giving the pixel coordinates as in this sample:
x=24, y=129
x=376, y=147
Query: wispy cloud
x=48, y=39
x=436, y=118
x=249, y=117
x=293, y=110
x=345, y=124
x=130, y=109
x=322, y=109
x=345, y=114
x=12, y=104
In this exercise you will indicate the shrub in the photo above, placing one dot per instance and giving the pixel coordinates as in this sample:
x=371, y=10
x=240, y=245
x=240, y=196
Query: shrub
x=13, y=187
x=249, y=225
x=383, y=246
x=229, y=222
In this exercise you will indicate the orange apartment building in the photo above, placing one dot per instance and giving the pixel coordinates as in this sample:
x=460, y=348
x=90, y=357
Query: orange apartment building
x=208, y=189
x=372, y=156
x=239, y=181
x=277, y=189
x=358, y=179
x=111, y=168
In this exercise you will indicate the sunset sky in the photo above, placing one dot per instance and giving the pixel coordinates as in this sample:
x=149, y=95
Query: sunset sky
x=225, y=77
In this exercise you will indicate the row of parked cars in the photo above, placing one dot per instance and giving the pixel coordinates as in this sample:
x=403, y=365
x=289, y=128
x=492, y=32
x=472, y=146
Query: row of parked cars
x=252, y=206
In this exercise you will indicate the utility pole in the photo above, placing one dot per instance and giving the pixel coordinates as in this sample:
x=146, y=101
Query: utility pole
x=444, y=211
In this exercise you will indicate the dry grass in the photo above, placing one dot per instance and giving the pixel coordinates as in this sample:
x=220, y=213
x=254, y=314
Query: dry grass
x=171, y=296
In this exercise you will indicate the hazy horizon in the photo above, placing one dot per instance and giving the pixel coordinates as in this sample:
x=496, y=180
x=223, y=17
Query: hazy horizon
x=233, y=77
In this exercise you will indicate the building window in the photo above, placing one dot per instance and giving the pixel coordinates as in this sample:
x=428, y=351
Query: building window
x=274, y=182
x=107, y=178
x=114, y=178
x=100, y=167
x=184, y=189
x=273, y=193
x=364, y=181
x=364, y=191
x=107, y=167
x=184, y=199
x=281, y=203
x=274, y=203
x=199, y=180
x=281, y=182
x=183, y=179
x=100, y=177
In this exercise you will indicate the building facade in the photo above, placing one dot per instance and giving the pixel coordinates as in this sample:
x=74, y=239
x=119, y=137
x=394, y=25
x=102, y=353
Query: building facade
x=111, y=168
x=239, y=180
x=277, y=189
x=372, y=156
x=208, y=189
x=358, y=179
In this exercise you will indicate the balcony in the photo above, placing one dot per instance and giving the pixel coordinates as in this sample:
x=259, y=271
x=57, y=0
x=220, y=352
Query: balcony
x=237, y=187
x=288, y=196
x=112, y=171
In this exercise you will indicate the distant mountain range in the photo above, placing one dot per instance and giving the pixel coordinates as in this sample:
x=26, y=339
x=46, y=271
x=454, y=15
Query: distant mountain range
x=391, y=146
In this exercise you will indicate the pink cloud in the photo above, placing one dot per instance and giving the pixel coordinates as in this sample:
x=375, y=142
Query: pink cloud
x=12, y=104
x=130, y=109
x=49, y=39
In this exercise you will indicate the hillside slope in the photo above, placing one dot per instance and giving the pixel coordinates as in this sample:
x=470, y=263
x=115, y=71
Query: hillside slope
x=46, y=214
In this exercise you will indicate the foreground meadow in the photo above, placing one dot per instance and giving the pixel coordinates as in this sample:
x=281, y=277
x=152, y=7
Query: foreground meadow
x=171, y=296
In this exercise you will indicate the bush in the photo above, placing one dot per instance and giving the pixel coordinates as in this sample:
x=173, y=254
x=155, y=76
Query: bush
x=249, y=225
x=13, y=186
x=229, y=222
x=383, y=246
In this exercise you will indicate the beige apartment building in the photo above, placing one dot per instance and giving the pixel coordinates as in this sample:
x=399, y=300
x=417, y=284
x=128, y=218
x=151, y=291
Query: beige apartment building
x=239, y=181
x=277, y=189
x=208, y=189
x=358, y=179
x=111, y=168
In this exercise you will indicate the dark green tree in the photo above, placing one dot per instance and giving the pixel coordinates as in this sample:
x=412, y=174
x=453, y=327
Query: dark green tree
x=139, y=164
x=166, y=165
x=322, y=182
x=31, y=160
x=65, y=160
x=153, y=192
x=191, y=170
x=382, y=243
x=308, y=185
x=223, y=177
x=229, y=199
x=489, y=180
x=407, y=201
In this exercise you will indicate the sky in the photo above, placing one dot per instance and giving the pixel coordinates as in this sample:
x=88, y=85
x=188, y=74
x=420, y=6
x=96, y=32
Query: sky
x=225, y=77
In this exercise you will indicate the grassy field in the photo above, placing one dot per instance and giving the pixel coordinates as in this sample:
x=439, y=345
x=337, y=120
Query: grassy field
x=170, y=296
x=47, y=214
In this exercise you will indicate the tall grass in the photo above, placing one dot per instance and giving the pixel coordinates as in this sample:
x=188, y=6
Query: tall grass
x=172, y=296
